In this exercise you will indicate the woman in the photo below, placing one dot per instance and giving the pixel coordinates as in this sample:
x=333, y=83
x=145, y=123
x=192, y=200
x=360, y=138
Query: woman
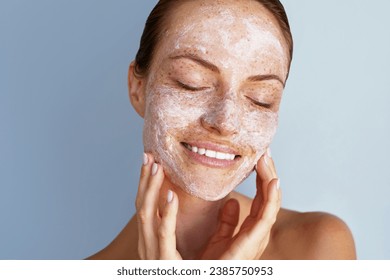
x=208, y=80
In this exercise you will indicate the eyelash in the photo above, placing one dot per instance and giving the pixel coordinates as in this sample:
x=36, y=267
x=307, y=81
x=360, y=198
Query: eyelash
x=258, y=103
x=255, y=102
x=190, y=88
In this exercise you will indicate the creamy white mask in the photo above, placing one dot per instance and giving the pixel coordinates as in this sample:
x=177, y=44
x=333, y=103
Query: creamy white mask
x=207, y=126
x=173, y=120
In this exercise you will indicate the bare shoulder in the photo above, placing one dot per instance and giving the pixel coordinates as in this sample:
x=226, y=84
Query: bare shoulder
x=311, y=235
x=305, y=235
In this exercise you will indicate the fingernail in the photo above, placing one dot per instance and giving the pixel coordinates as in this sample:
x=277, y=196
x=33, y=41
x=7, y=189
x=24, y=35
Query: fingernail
x=269, y=154
x=266, y=160
x=169, y=196
x=146, y=159
x=154, y=168
x=278, y=184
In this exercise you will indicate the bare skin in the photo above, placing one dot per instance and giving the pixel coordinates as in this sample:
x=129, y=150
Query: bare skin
x=294, y=235
x=246, y=65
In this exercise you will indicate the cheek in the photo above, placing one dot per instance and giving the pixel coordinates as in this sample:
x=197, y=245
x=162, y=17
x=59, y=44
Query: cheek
x=168, y=113
x=259, y=129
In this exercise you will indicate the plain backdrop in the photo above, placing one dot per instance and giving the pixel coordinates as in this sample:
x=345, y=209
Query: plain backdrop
x=70, y=143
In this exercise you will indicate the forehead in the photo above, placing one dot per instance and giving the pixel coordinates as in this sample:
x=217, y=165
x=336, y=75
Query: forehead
x=242, y=31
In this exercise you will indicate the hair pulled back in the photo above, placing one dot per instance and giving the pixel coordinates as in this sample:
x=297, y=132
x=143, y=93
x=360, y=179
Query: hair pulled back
x=153, y=31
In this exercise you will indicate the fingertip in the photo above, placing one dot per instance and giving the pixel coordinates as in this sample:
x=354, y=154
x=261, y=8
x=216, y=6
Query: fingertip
x=171, y=200
x=268, y=152
x=170, y=196
x=145, y=159
x=154, y=168
x=264, y=174
x=171, y=206
x=275, y=183
x=260, y=161
x=268, y=163
x=266, y=160
x=278, y=190
x=148, y=158
x=230, y=212
x=145, y=168
x=231, y=207
x=261, y=166
x=234, y=202
x=274, y=189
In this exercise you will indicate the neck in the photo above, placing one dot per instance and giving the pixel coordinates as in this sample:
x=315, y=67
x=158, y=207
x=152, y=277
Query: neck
x=197, y=220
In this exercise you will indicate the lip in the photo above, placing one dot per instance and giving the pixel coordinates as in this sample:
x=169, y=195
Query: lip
x=211, y=162
x=214, y=147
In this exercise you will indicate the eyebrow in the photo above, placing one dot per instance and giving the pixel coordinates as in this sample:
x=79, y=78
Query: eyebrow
x=259, y=78
x=214, y=68
x=198, y=60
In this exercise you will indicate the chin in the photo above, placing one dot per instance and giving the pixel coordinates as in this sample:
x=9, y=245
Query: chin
x=202, y=181
x=201, y=176
x=207, y=188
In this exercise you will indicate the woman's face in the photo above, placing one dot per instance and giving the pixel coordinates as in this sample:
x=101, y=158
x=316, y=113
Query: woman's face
x=213, y=94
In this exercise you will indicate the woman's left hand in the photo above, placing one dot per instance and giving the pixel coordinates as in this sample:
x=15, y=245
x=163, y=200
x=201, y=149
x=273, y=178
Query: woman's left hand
x=253, y=236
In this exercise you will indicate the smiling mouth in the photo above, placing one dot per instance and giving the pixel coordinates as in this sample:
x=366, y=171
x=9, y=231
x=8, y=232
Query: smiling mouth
x=210, y=153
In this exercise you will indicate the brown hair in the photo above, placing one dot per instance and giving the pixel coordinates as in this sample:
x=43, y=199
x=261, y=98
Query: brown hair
x=157, y=18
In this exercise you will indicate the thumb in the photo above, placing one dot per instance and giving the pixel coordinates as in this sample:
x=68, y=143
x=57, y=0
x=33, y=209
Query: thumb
x=228, y=221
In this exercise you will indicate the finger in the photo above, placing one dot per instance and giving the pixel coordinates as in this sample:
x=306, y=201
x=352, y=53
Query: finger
x=228, y=221
x=152, y=190
x=263, y=177
x=141, y=243
x=265, y=170
x=271, y=163
x=252, y=243
x=147, y=213
x=256, y=203
x=167, y=229
x=268, y=216
x=144, y=177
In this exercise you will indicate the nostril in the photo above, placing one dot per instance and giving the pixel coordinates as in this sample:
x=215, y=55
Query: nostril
x=220, y=122
x=208, y=125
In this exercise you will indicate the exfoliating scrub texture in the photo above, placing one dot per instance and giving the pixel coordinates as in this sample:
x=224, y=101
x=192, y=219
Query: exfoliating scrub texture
x=213, y=96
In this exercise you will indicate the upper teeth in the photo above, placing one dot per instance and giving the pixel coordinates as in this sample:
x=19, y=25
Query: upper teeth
x=210, y=153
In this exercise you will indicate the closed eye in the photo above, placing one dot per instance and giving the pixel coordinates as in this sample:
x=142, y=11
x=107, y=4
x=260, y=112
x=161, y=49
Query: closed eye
x=258, y=103
x=190, y=88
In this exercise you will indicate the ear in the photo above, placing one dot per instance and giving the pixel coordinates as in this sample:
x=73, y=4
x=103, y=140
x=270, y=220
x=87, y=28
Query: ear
x=136, y=90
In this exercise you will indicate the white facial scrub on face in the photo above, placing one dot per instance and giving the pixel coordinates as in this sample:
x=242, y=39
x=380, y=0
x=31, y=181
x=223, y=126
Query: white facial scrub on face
x=206, y=126
x=173, y=119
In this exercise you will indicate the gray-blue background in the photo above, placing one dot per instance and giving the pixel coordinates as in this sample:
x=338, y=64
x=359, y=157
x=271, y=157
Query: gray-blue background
x=70, y=144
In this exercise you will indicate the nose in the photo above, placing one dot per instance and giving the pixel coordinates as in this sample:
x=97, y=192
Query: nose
x=223, y=118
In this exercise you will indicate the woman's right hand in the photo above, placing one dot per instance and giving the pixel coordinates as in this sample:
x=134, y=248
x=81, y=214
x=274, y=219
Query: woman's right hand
x=156, y=231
